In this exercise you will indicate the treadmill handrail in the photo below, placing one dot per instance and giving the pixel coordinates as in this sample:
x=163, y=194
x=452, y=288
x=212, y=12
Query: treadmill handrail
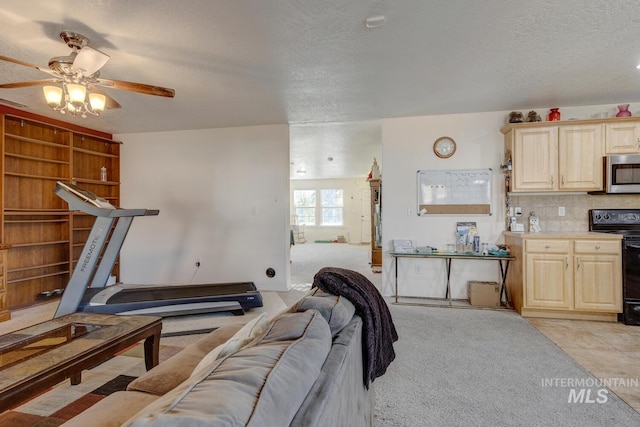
x=97, y=207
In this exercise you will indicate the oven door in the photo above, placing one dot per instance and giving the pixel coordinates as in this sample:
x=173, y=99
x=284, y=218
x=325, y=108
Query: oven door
x=622, y=174
x=631, y=281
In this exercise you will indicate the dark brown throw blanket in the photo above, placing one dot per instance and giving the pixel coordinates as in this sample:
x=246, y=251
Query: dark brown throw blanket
x=379, y=332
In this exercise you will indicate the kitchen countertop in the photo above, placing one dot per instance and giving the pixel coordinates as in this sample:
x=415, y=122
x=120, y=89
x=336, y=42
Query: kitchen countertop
x=564, y=235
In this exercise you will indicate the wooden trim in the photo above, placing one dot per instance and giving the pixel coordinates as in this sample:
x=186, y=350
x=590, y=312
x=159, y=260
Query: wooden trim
x=573, y=315
x=456, y=209
x=58, y=123
x=509, y=126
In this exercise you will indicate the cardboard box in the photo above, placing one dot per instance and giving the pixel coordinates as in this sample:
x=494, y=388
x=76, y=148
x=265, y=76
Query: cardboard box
x=484, y=294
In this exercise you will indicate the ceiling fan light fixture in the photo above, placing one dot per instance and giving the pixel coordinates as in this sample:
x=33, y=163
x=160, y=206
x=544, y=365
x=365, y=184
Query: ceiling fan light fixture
x=97, y=102
x=53, y=95
x=88, y=61
x=77, y=94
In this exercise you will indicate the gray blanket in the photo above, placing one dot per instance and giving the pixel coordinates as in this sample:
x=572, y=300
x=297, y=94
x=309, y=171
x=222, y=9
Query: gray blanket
x=379, y=332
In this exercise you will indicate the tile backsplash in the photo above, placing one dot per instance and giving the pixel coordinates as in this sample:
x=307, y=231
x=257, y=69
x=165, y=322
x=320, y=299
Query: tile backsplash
x=576, y=208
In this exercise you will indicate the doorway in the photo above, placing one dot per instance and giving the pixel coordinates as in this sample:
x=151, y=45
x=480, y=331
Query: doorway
x=334, y=155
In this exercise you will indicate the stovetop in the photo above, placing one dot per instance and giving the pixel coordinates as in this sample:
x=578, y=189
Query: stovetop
x=622, y=221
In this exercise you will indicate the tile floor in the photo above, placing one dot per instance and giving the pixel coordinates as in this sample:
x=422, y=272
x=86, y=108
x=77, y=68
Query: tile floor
x=610, y=351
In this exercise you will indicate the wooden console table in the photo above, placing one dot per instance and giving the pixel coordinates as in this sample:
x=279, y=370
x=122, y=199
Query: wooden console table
x=40, y=356
x=503, y=262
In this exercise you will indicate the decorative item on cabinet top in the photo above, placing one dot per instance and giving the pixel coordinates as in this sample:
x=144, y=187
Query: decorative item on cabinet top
x=375, y=171
x=533, y=117
x=554, y=114
x=623, y=111
x=516, y=117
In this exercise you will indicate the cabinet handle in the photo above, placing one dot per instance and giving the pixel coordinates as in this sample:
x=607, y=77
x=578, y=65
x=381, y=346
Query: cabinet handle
x=566, y=261
x=577, y=263
x=562, y=179
x=597, y=247
x=547, y=247
x=551, y=179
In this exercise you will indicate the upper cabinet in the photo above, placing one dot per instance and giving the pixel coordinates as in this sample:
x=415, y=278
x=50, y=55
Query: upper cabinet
x=555, y=158
x=622, y=138
x=580, y=157
x=534, y=154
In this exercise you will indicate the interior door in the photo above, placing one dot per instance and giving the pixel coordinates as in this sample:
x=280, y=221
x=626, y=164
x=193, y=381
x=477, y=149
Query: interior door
x=365, y=215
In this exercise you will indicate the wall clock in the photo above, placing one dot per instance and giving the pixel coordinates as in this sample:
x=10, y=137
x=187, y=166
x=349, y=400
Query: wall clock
x=444, y=147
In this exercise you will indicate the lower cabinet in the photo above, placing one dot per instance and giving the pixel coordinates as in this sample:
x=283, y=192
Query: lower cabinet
x=566, y=277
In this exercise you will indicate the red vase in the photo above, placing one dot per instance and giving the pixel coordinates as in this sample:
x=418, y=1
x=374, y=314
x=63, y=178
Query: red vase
x=554, y=115
x=623, y=111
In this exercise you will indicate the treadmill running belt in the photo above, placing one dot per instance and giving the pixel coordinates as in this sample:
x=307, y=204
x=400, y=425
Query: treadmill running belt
x=151, y=293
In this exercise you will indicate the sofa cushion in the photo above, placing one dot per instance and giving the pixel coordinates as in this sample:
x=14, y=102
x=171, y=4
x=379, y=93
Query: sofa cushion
x=173, y=371
x=244, y=336
x=336, y=310
x=339, y=396
x=262, y=384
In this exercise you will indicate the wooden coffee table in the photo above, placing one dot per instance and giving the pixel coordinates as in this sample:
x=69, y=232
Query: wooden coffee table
x=40, y=356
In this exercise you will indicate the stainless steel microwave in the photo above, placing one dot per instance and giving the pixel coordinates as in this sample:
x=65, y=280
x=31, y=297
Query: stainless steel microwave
x=622, y=174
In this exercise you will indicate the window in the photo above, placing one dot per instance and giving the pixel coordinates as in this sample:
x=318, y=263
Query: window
x=304, y=202
x=328, y=212
x=331, y=201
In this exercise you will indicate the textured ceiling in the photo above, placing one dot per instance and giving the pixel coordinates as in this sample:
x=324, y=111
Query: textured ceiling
x=306, y=62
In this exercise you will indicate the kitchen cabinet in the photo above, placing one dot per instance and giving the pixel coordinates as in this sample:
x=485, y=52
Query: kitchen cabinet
x=534, y=154
x=598, y=270
x=622, y=138
x=566, y=276
x=580, y=152
x=554, y=158
x=44, y=239
x=547, y=262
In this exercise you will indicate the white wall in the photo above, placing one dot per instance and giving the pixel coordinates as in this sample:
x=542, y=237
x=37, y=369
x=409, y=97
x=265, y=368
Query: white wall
x=353, y=189
x=406, y=148
x=223, y=196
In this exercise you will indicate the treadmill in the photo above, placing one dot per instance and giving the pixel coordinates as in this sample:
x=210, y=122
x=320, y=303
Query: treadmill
x=87, y=289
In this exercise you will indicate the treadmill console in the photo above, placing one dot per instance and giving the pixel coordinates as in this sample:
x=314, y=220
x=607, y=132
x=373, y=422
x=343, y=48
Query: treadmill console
x=85, y=195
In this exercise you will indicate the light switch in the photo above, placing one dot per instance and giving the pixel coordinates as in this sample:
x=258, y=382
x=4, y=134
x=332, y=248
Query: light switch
x=561, y=211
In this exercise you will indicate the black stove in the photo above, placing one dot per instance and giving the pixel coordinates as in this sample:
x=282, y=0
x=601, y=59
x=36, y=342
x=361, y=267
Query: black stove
x=627, y=223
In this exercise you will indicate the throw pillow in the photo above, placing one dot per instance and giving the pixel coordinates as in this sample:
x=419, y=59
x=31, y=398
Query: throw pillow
x=244, y=336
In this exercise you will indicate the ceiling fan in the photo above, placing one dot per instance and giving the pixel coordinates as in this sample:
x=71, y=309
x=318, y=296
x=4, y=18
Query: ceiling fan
x=78, y=74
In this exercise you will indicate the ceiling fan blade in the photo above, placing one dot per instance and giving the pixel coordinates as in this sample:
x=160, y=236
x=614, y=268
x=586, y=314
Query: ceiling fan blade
x=137, y=87
x=110, y=103
x=26, y=64
x=89, y=61
x=27, y=84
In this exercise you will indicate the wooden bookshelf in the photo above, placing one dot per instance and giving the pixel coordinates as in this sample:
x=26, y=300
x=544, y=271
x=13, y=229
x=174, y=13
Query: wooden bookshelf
x=42, y=239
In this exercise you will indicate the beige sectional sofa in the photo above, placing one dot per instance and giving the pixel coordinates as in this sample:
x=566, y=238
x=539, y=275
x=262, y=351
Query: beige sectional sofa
x=302, y=368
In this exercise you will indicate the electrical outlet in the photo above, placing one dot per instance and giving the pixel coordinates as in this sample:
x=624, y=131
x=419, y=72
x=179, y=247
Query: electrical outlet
x=418, y=270
x=561, y=211
x=518, y=211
